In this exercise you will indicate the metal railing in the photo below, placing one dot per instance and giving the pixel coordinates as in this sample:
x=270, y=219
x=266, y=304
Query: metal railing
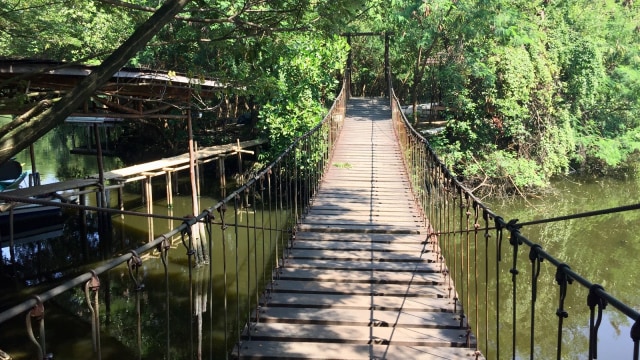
x=263, y=213
x=463, y=226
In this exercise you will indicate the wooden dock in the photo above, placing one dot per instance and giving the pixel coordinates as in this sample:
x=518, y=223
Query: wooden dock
x=362, y=281
x=175, y=163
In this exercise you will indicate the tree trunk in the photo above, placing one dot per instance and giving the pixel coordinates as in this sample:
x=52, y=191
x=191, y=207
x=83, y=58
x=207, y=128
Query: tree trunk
x=27, y=133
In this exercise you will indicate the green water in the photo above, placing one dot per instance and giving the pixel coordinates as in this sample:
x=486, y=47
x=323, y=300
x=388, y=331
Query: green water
x=603, y=249
x=181, y=312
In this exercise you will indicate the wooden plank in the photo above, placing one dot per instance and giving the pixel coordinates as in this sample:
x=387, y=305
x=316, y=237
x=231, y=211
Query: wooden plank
x=329, y=351
x=366, y=318
x=367, y=229
x=405, y=336
x=363, y=255
x=361, y=237
x=358, y=288
x=341, y=245
x=419, y=267
x=363, y=276
x=347, y=217
x=349, y=302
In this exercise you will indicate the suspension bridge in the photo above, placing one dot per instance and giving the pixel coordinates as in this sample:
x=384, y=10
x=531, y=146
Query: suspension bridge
x=363, y=279
x=372, y=232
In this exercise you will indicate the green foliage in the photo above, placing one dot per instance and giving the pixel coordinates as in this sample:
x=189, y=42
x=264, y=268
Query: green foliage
x=603, y=156
x=68, y=30
x=343, y=165
x=584, y=74
x=507, y=167
x=515, y=72
x=537, y=89
x=299, y=86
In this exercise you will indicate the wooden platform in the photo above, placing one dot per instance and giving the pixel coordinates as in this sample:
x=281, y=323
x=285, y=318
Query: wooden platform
x=362, y=281
x=162, y=166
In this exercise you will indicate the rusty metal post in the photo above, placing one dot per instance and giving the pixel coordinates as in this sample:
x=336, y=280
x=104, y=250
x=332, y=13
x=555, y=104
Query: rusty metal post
x=34, y=178
x=387, y=67
x=348, y=70
x=197, y=169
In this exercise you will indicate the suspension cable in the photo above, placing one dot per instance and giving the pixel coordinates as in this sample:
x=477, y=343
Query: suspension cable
x=586, y=214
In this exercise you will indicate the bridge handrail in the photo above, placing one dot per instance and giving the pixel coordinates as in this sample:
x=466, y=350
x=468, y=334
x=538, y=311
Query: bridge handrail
x=207, y=216
x=516, y=238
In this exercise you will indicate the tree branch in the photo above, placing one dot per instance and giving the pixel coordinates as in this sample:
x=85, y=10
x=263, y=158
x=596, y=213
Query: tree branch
x=26, y=134
x=24, y=118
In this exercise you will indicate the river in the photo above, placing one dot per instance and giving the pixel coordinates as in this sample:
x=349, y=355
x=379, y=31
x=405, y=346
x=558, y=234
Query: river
x=150, y=312
x=603, y=249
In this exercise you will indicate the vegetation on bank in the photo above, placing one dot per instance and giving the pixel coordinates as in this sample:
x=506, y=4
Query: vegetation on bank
x=532, y=89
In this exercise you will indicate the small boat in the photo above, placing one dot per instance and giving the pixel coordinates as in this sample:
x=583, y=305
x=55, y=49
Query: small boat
x=11, y=175
x=11, y=184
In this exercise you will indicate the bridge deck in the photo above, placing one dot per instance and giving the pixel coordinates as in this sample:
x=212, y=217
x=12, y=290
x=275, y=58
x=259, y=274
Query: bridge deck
x=362, y=282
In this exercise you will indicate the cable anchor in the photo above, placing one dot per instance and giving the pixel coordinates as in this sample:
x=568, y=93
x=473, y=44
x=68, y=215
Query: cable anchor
x=93, y=284
x=563, y=279
x=222, y=210
x=188, y=232
x=37, y=314
x=133, y=264
x=594, y=299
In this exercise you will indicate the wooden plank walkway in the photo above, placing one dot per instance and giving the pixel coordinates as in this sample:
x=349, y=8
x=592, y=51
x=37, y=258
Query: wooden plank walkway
x=160, y=167
x=362, y=282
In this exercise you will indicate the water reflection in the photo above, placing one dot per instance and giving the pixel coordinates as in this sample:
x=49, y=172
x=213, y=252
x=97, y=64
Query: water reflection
x=602, y=249
x=165, y=308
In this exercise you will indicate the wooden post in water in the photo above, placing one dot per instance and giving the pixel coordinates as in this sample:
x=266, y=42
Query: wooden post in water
x=197, y=169
x=197, y=235
x=149, y=192
x=223, y=179
x=12, y=250
x=121, y=197
x=192, y=167
x=169, y=177
x=34, y=177
x=240, y=176
x=102, y=201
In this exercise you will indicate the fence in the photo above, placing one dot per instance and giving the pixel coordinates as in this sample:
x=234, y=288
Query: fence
x=464, y=227
x=265, y=210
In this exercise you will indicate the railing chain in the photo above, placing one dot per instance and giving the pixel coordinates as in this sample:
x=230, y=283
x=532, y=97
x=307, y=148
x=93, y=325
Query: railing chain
x=93, y=285
x=133, y=264
x=223, y=226
x=563, y=280
x=37, y=313
x=594, y=299
x=536, y=259
x=635, y=336
x=499, y=225
x=163, y=248
x=515, y=241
